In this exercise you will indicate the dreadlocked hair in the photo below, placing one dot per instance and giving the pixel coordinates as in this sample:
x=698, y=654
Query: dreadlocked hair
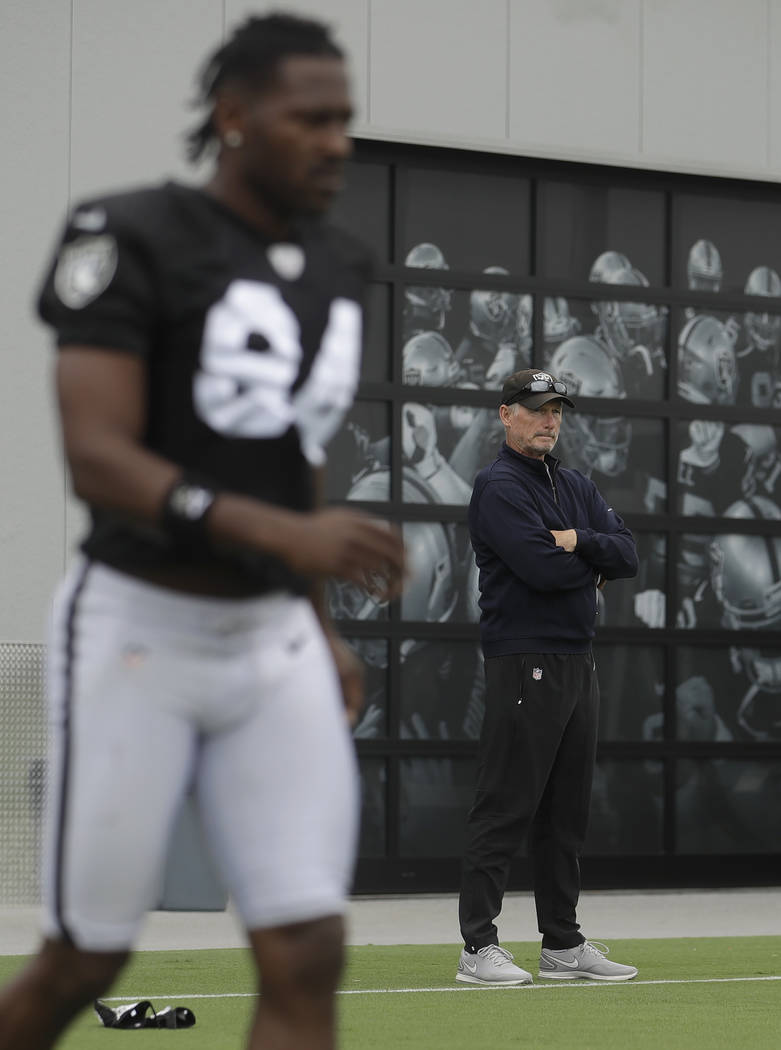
x=251, y=57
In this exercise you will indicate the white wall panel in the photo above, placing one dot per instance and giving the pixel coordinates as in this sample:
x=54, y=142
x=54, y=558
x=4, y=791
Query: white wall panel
x=706, y=82
x=438, y=67
x=774, y=85
x=134, y=67
x=349, y=20
x=34, y=109
x=574, y=75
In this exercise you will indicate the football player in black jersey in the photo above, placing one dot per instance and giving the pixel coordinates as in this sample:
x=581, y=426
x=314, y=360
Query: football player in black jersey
x=209, y=347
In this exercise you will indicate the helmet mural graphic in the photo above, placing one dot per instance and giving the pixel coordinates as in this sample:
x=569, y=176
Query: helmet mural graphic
x=557, y=322
x=764, y=328
x=704, y=271
x=418, y=433
x=471, y=589
x=430, y=594
x=707, y=372
x=746, y=570
x=428, y=360
x=426, y=256
x=746, y=577
x=607, y=263
x=523, y=335
x=591, y=442
x=420, y=452
x=762, y=440
x=428, y=304
x=626, y=325
x=493, y=315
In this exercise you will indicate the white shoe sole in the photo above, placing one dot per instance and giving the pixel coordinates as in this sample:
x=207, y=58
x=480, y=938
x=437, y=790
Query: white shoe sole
x=587, y=976
x=468, y=979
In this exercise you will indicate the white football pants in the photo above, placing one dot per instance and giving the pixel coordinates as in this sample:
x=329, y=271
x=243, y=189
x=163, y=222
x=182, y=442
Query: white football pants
x=151, y=691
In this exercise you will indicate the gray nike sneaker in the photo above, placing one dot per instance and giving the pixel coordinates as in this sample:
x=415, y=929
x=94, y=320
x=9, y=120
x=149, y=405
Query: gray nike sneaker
x=586, y=960
x=490, y=965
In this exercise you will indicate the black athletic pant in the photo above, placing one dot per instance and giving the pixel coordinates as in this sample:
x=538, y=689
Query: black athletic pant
x=536, y=763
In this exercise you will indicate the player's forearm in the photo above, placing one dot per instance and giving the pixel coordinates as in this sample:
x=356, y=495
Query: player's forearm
x=125, y=478
x=109, y=472
x=242, y=521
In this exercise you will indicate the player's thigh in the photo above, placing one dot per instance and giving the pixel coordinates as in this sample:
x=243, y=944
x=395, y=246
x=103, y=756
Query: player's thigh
x=279, y=790
x=119, y=759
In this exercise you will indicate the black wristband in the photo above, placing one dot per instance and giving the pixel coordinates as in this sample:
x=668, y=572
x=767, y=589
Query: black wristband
x=185, y=512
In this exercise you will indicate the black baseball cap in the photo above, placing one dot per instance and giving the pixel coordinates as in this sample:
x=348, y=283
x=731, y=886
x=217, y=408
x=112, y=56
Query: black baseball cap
x=532, y=388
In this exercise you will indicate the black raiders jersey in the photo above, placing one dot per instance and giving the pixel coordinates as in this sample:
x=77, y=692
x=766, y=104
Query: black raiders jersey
x=708, y=491
x=252, y=349
x=759, y=375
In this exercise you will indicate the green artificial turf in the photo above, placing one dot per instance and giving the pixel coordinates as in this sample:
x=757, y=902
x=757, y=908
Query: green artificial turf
x=406, y=996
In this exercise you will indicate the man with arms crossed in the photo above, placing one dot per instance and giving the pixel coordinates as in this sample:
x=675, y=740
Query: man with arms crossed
x=544, y=541
x=209, y=346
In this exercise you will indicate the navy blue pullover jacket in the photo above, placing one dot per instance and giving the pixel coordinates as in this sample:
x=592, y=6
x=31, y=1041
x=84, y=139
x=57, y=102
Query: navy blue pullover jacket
x=535, y=596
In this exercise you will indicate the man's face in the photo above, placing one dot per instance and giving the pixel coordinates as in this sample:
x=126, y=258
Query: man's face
x=295, y=133
x=532, y=433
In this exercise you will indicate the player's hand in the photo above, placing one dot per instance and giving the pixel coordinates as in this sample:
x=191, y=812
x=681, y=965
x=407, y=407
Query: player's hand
x=653, y=726
x=416, y=729
x=687, y=614
x=706, y=435
x=501, y=366
x=351, y=676
x=370, y=726
x=640, y=359
x=352, y=546
x=696, y=709
x=651, y=607
x=566, y=538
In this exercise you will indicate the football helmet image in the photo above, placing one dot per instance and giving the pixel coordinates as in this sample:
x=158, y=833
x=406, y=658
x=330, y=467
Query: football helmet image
x=591, y=442
x=524, y=336
x=430, y=593
x=607, y=263
x=558, y=323
x=746, y=578
x=493, y=315
x=428, y=360
x=426, y=256
x=426, y=307
x=471, y=589
x=421, y=453
x=704, y=271
x=707, y=370
x=761, y=439
x=746, y=570
x=347, y=601
x=763, y=328
x=626, y=325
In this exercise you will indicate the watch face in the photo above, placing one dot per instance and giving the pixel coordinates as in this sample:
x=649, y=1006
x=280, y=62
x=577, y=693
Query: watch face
x=190, y=501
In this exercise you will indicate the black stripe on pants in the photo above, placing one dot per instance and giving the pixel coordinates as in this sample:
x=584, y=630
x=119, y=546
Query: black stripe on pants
x=536, y=764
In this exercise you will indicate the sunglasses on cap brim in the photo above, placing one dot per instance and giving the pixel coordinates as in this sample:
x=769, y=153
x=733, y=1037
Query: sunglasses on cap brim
x=538, y=386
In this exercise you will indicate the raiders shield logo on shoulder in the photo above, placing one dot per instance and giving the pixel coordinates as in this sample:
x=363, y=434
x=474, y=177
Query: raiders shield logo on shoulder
x=288, y=260
x=85, y=269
